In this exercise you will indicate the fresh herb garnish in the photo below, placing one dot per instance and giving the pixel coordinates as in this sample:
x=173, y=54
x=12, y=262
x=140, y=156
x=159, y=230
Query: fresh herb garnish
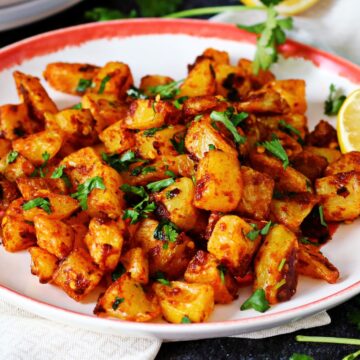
x=305, y=240
x=143, y=170
x=264, y=231
x=222, y=271
x=198, y=117
x=120, y=163
x=166, y=231
x=212, y=147
x=280, y=284
x=151, y=132
x=334, y=101
x=256, y=301
x=40, y=202
x=83, y=85
x=158, y=185
x=178, y=142
x=136, y=93
x=58, y=173
x=118, y=272
x=282, y=263
x=168, y=91
x=12, y=156
x=296, y=356
x=160, y=278
x=275, y=148
x=178, y=102
x=170, y=173
x=253, y=234
x=230, y=121
x=185, y=320
x=77, y=106
x=103, y=83
x=288, y=128
x=321, y=215
x=40, y=170
x=85, y=189
x=117, y=302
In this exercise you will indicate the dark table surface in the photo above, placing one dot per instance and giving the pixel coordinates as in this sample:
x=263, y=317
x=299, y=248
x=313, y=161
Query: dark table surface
x=279, y=347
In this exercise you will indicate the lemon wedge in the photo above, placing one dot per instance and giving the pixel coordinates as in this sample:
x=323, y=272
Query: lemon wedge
x=287, y=7
x=348, y=123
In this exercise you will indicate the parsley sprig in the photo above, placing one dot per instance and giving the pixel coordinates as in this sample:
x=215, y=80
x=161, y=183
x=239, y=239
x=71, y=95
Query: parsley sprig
x=85, y=189
x=275, y=148
x=334, y=101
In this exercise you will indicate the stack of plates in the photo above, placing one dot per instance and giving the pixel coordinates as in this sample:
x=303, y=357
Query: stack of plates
x=14, y=13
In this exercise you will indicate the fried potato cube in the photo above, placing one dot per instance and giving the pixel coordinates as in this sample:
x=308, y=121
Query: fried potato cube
x=288, y=180
x=347, y=162
x=340, y=196
x=150, y=81
x=204, y=268
x=292, y=91
x=34, y=146
x=194, y=302
x=43, y=264
x=323, y=135
x=77, y=275
x=175, y=203
x=104, y=241
x=260, y=79
x=309, y=164
x=330, y=155
x=201, y=134
x=218, y=182
x=200, y=80
x=125, y=299
x=54, y=236
x=229, y=243
x=117, y=138
x=275, y=265
x=199, y=105
x=312, y=263
x=21, y=167
x=32, y=93
x=257, y=194
x=113, y=78
x=65, y=77
x=137, y=265
x=8, y=193
x=171, y=259
x=110, y=200
x=14, y=121
x=217, y=56
x=292, y=210
x=147, y=113
x=151, y=146
x=28, y=186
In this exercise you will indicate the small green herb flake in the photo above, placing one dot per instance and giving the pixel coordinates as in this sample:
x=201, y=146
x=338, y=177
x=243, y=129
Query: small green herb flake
x=305, y=240
x=185, y=320
x=321, y=215
x=151, y=132
x=12, y=156
x=178, y=142
x=253, y=234
x=120, y=162
x=288, y=128
x=297, y=356
x=222, y=271
x=159, y=185
x=58, y=172
x=137, y=190
x=77, y=106
x=198, y=117
x=275, y=148
x=83, y=85
x=170, y=173
x=178, y=102
x=166, y=231
x=256, y=301
x=281, y=283
x=103, y=83
x=136, y=93
x=168, y=91
x=117, y=302
x=193, y=178
x=334, y=101
x=282, y=263
x=264, y=231
x=212, y=147
x=133, y=215
x=160, y=278
x=42, y=203
x=118, y=272
x=85, y=189
x=352, y=356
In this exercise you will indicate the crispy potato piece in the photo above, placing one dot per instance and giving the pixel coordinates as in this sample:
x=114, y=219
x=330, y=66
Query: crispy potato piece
x=347, y=162
x=257, y=194
x=151, y=146
x=117, y=138
x=292, y=210
x=201, y=134
x=330, y=155
x=323, y=135
x=204, y=268
x=292, y=91
x=221, y=57
x=312, y=263
x=137, y=265
x=288, y=180
x=5, y=147
x=309, y=164
x=14, y=121
x=77, y=275
x=218, y=182
x=21, y=167
x=32, y=93
x=43, y=264
x=34, y=146
x=192, y=301
x=199, y=105
x=275, y=265
x=104, y=241
x=200, y=80
x=175, y=203
x=54, y=236
x=65, y=77
x=125, y=299
x=150, y=81
x=229, y=243
x=260, y=79
x=340, y=195
x=172, y=259
x=8, y=193
x=113, y=78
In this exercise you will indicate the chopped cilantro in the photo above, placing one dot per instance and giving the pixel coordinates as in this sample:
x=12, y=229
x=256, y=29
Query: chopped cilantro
x=151, y=132
x=334, y=101
x=12, y=156
x=85, y=189
x=178, y=142
x=185, y=320
x=158, y=185
x=222, y=271
x=212, y=147
x=178, y=102
x=136, y=93
x=77, y=106
x=58, y=173
x=83, y=85
x=117, y=302
x=170, y=173
x=103, y=83
x=168, y=91
x=160, y=278
x=166, y=231
x=120, y=163
x=275, y=148
x=321, y=214
x=256, y=301
x=290, y=129
x=40, y=202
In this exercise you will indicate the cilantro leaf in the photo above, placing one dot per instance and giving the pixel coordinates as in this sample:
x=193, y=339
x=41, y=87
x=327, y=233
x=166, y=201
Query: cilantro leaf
x=305, y=240
x=77, y=106
x=160, y=278
x=222, y=271
x=275, y=148
x=178, y=142
x=212, y=147
x=12, y=156
x=136, y=93
x=137, y=190
x=178, y=102
x=168, y=91
x=117, y=302
x=185, y=320
x=253, y=234
x=296, y=356
x=288, y=128
x=103, y=83
x=265, y=230
x=40, y=170
x=118, y=272
x=256, y=301
x=334, y=101
x=151, y=132
x=143, y=170
x=166, y=231
x=133, y=215
x=58, y=173
x=321, y=214
x=158, y=185
x=40, y=202
x=83, y=84
x=85, y=189
x=120, y=163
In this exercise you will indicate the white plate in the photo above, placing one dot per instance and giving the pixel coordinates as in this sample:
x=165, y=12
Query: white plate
x=166, y=47
x=16, y=13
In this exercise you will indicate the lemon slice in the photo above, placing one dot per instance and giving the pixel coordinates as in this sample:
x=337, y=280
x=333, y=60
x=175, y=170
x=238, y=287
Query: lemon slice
x=348, y=123
x=287, y=7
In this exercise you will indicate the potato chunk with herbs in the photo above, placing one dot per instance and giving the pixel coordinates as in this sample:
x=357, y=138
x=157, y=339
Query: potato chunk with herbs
x=234, y=242
x=185, y=303
x=43, y=264
x=275, y=265
x=125, y=299
x=218, y=182
x=347, y=162
x=137, y=265
x=77, y=275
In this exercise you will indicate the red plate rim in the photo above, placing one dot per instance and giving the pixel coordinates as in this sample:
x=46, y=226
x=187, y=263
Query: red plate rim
x=53, y=41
